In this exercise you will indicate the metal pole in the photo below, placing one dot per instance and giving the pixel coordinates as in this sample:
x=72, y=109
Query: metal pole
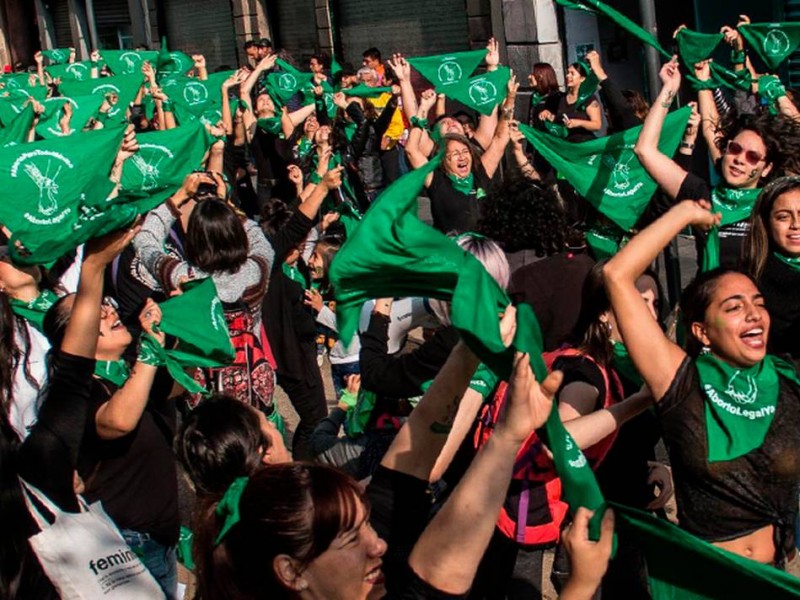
x=92, y=25
x=651, y=59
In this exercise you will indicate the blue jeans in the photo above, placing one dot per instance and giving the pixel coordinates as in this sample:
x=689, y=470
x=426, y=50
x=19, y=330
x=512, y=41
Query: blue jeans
x=160, y=560
x=340, y=372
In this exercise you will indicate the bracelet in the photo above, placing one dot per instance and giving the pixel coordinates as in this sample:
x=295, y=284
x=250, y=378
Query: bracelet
x=420, y=123
x=687, y=145
x=737, y=56
x=315, y=178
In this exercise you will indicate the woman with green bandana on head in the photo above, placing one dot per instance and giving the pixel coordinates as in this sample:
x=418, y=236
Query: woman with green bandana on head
x=750, y=149
x=578, y=110
x=771, y=255
x=729, y=412
x=456, y=189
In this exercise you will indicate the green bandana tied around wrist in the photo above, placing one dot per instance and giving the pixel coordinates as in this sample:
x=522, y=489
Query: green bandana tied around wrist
x=115, y=371
x=623, y=364
x=695, y=47
x=448, y=69
x=463, y=185
x=196, y=318
x=771, y=90
x=35, y=310
x=293, y=273
x=482, y=92
x=773, y=42
x=421, y=123
x=393, y=253
x=740, y=403
x=791, y=261
x=735, y=205
x=228, y=507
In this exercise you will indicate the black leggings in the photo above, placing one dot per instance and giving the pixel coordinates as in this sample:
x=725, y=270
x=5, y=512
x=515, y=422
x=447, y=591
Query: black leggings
x=308, y=399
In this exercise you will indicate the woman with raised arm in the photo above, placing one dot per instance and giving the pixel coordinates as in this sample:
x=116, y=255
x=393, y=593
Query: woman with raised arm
x=457, y=187
x=580, y=115
x=752, y=149
x=729, y=411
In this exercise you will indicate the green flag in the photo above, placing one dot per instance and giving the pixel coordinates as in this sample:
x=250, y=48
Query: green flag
x=163, y=161
x=606, y=171
x=482, y=92
x=80, y=71
x=171, y=63
x=284, y=85
x=773, y=42
x=196, y=318
x=393, y=253
x=83, y=109
x=56, y=56
x=695, y=47
x=124, y=86
x=54, y=184
x=194, y=98
x=448, y=69
x=128, y=62
x=17, y=130
x=11, y=106
x=20, y=83
x=681, y=566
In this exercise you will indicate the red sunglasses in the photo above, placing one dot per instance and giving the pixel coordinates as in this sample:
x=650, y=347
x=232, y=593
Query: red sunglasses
x=751, y=156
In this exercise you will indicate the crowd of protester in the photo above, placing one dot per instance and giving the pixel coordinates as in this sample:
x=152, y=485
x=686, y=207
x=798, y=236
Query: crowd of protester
x=429, y=474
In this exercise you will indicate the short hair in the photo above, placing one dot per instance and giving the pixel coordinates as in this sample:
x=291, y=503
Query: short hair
x=322, y=59
x=216, y=241
x=372, y=53
x=489, y=254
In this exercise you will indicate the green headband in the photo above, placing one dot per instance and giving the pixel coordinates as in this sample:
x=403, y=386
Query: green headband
x=228, y=507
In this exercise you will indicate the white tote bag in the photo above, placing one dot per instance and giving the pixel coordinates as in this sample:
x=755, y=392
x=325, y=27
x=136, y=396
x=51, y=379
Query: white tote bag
x=85, y=556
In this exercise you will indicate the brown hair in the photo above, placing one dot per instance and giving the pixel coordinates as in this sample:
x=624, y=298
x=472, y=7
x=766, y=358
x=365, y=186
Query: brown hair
x=296, y=509
x=546, y=80
x=758, y=244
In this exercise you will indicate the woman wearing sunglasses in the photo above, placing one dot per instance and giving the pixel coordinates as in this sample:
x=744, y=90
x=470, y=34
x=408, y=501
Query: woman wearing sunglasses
x=772, y=256
x=747, y=151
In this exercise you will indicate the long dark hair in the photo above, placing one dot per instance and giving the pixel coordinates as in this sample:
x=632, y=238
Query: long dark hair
x=15, y=348
x=216, y=241
x=296, y=509
x=758, y=244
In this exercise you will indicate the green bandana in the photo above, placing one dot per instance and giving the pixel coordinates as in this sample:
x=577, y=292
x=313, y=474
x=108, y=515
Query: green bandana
x=271, y=125
x=773, y=42
x=393, y=253
x=606, y=171
x=193, y=98
x=735, y=205
x=35, y=310
x=364, y=91
x=282, y=86
x=78, y=71
x=23, y=83
x=463, y=185
x=349, y=130
x=623, y=364
x=792, y=261
x=16, y=132
x=304, y=146
x=482, y=92
x=197, y=320
x=128, y=62
x=293, y=273
x=603, y=242
x=740, y=403
x=695, y=47
x=722, y=77
x=587, y=88
x=536, y=99
x=335, y=66
x=124, y=86
x=558, y=130
x=771, y=90
x=681, y=566
x=358, y=416
x=56, y=56
x=228, y=507
x=115, y=371
x=448, y=69
x=163, y=160
x=83, y=109
x=171, y=63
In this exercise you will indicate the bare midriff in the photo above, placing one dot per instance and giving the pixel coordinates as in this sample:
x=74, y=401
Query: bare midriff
x=758, y=545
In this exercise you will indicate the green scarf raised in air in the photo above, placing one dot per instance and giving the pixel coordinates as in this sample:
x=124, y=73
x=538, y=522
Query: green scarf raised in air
x=695, y=47
x=17, y=131
x=605, y=170
x=791, y=261
x=771, y=91
x=35, y=310
x=740, y=403
x=56, y=56
x=448, y=69
x=773, y=42
x=78, y=71
x=393, y=253
x=603, y=242
x=128, y=62
x=115, y=371
x=364, y=91
x=482, y=92
x=735, y=205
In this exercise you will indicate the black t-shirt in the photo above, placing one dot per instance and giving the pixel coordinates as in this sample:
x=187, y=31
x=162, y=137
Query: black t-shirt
x=780, y=285
x=729, y=499
x=269, y=154
x=453, y=211
x=135, y=475
x=579, y=134
x=731, y=237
